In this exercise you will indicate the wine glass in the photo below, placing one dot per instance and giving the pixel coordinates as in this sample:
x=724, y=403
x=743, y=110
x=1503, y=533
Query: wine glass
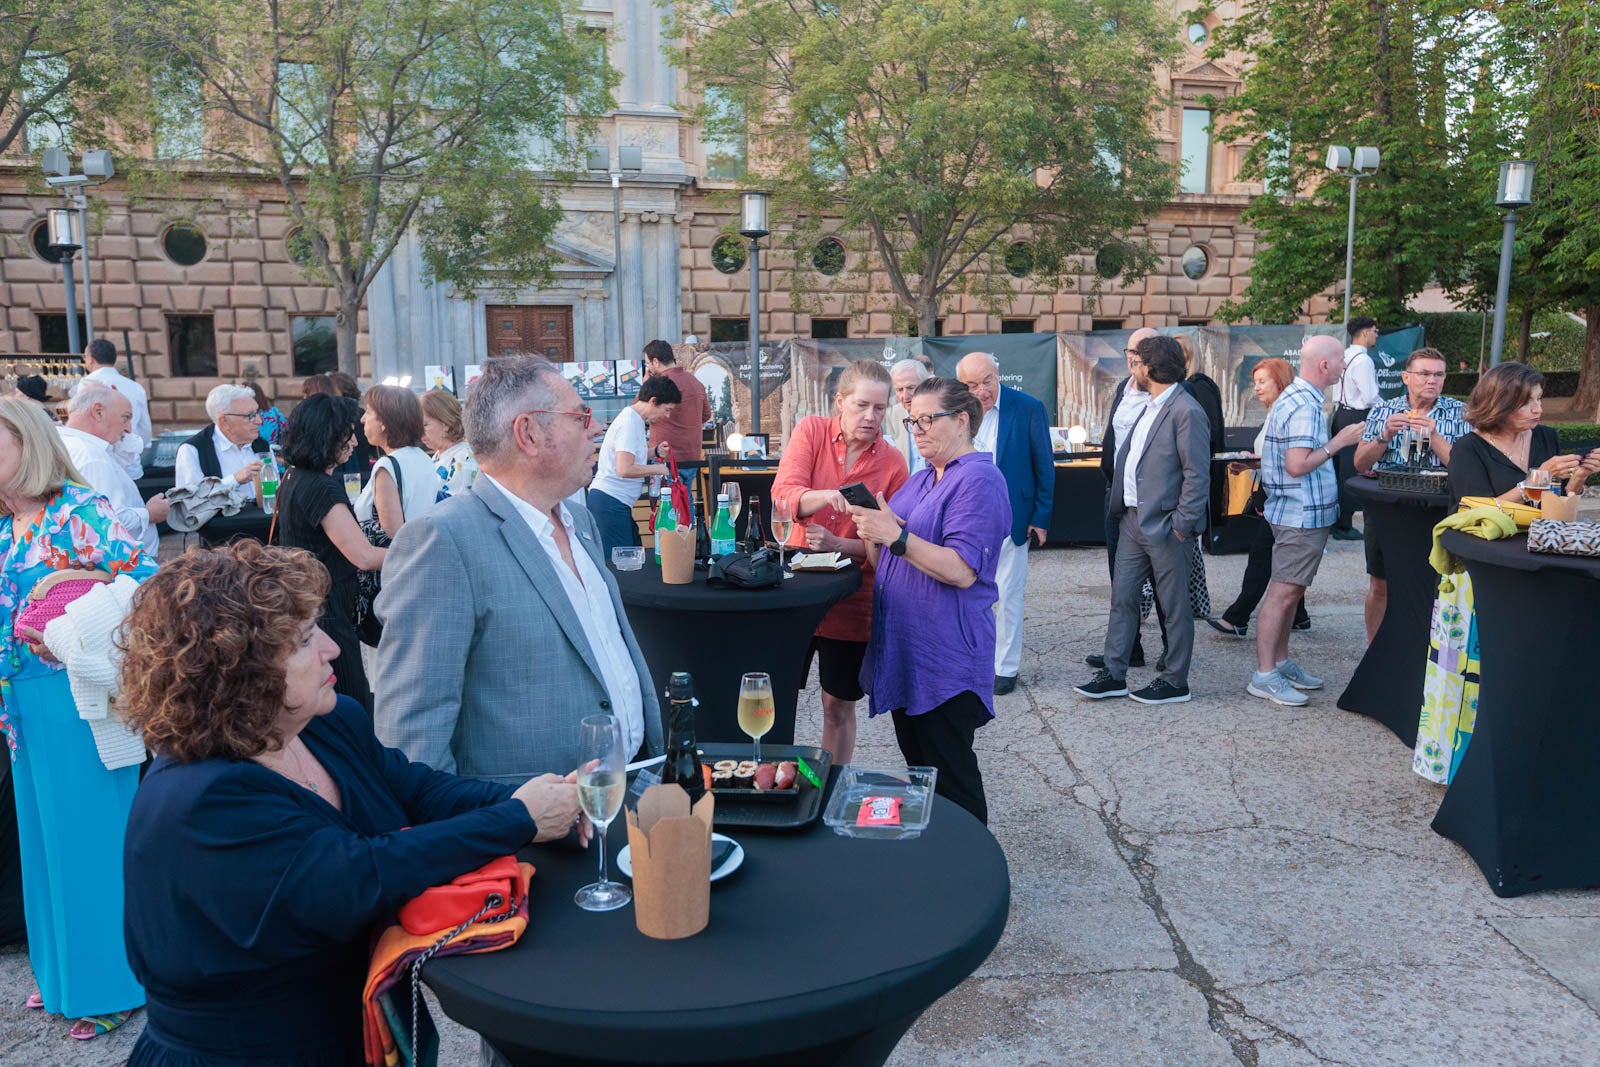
x=735, y=500
x=782, y=522
x=1535, y=484
x=755, y=707
x=352, y=486
x=602, y=781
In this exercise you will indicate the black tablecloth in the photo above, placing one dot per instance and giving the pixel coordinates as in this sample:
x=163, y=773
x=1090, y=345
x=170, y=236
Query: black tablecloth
x=719, y=634
x=1523, y=803
x=1078, y=510
x=250, y=522
x=1387, y=683
x=821, y=950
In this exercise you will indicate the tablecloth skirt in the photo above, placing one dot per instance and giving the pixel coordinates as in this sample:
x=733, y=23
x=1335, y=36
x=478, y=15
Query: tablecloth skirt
x=72, y=814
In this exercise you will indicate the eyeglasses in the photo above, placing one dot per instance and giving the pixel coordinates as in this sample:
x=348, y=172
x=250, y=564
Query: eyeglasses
x=924, y=423
x=585, y=413
x=1425, y=373
x=254, y=416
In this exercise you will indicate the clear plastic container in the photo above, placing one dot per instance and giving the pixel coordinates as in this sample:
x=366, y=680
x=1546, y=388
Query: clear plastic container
x=857, y=786
x=627, y=558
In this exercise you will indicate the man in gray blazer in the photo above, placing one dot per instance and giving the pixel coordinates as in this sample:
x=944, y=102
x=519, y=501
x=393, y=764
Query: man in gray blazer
x=1159, y=487
x=502, y=629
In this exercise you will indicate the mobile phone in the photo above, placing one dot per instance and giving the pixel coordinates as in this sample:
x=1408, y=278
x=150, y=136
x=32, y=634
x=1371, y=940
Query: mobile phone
x=858, y=494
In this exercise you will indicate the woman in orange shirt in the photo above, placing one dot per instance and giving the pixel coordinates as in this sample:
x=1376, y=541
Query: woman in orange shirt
x=821, y=456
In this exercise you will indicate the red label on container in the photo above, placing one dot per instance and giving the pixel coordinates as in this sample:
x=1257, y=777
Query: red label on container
x=879, y=811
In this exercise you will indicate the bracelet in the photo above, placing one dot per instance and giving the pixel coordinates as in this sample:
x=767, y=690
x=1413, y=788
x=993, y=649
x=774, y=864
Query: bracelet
x=1326, y=452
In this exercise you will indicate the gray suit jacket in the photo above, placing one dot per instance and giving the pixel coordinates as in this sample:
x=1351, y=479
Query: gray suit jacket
x=484, y=669
x=1174, y=475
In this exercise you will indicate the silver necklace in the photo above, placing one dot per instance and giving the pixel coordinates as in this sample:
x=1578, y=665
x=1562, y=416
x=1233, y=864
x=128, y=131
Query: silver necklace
x=300, y=776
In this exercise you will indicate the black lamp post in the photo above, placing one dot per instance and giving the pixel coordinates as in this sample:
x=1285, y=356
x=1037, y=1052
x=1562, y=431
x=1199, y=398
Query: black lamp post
x=1516, y=190
x=753, y=224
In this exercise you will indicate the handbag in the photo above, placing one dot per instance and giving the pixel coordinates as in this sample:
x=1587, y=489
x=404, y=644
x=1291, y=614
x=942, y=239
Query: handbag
x=50, y=595
x=745, y=570
x=1521, y=514
x=1564, y=538
x=369, y=628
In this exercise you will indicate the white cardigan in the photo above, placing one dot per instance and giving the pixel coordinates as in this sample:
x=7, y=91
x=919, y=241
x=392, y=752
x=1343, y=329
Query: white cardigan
x=82, y=640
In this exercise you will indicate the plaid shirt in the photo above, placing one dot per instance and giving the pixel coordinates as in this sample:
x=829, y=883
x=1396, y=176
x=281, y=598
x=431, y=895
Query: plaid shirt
x=1296, y=421
x=1448, y=422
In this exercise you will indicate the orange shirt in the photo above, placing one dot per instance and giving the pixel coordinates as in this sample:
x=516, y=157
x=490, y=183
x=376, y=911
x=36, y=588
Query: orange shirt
x=814, y=458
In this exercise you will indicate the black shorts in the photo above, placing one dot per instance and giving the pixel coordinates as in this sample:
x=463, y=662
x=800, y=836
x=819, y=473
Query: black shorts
x=1374, y=549
x=838, y=666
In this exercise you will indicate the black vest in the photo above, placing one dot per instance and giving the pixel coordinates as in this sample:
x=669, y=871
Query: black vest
x=205, y=447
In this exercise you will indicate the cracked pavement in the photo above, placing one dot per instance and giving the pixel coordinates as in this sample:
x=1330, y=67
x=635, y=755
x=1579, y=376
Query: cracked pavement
x=1215, y=883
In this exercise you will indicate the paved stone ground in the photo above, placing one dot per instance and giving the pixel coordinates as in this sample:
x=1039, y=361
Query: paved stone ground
x=1219, y=882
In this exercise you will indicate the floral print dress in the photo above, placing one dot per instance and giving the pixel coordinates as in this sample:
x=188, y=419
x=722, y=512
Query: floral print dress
x=78, y=530
x=456, y=469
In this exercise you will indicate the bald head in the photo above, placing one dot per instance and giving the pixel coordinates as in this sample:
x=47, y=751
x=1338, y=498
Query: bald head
x=1139, y=335
x=100, y=410
x=1322, y=361
x=980, y=373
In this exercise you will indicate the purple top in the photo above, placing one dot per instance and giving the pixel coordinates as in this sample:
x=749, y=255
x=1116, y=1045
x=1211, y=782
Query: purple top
x=931, y=641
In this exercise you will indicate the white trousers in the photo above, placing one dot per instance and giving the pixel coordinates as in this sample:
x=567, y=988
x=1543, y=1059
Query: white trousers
x=1012, y=578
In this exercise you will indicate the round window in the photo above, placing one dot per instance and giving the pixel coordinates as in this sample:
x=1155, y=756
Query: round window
x=41, y=244
x=1109, y=261
x=184, y=244
x=1195, y=262
x=727, y=254
x=1019, y=260
x=304, y=245
x=1197, y=34
x=828, y=256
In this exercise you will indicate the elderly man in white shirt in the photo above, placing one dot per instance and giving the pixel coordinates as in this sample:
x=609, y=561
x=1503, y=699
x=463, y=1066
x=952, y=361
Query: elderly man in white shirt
x=227, y=449
x=100, y=364
x=97, y=417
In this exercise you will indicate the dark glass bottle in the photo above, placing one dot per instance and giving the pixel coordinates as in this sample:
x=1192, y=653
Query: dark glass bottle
x=683, y=756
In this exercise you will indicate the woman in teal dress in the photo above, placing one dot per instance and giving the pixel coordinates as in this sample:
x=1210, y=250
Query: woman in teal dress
x=71, y=810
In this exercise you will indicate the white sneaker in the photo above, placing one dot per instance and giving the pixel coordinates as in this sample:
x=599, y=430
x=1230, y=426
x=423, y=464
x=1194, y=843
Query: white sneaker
x=1296, y=676
x=1276, y=688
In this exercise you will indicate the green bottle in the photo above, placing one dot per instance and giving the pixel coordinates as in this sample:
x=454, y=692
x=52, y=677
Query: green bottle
x=722, y=529
x=666, y=519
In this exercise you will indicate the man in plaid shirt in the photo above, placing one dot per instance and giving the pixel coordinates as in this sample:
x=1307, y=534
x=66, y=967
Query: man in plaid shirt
x=1302, y=504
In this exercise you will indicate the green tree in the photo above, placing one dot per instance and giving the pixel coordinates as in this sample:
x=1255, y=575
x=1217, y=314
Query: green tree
x=380, y=116
x=1416, y=78
x=936, y=129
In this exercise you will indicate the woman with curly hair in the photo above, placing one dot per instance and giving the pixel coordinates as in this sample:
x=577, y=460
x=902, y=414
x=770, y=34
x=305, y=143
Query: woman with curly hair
x=272, y=832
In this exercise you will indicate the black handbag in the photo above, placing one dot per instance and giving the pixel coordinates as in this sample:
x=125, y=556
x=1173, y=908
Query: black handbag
x=745, y=570
x=368, y=626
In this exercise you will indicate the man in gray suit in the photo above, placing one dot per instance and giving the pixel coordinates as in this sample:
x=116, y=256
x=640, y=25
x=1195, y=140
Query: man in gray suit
x=1158, y=493
x=502, y=629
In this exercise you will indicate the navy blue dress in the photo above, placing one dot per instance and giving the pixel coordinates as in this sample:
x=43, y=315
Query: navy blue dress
x=251, y=902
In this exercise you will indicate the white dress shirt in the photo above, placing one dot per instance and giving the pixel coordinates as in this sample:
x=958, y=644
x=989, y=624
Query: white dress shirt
x=1358, y=387
x=989, y=428
x=98, y=464
x=129, y=460
x=230, y=457
x=1136, y=443
x=591, y=602
x=1129, y=408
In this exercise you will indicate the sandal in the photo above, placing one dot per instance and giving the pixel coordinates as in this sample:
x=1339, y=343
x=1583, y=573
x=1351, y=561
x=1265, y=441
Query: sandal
x=1224, y=627
x=92, y=1026
x=35, y=1000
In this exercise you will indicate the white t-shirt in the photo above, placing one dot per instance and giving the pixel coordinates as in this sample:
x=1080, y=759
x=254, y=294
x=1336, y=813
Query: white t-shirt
x=418, y=482
x=629, y=434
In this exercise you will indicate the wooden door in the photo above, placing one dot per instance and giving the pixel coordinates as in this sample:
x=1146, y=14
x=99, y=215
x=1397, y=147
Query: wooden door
x=539, y=329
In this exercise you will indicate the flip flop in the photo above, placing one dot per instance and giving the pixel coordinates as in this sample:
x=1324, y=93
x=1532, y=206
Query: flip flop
x=103, y=1024
x=35, y=1000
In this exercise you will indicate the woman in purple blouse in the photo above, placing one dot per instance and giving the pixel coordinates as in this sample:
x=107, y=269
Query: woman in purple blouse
x=935, y=547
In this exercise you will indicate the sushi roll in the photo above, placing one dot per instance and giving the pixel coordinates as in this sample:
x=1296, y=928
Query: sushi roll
x=744, y=777
x=729, y=765
x=720, y=778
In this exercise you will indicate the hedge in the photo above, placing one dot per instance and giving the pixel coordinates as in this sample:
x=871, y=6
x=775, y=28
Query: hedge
x=1463, y=334
x=1556, y=383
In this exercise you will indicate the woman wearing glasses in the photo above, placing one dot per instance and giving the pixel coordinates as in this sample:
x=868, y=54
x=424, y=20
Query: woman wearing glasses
x=823, y=455
x=936, y=545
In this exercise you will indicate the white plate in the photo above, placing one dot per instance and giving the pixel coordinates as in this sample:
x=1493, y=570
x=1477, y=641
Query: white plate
x=729, y=865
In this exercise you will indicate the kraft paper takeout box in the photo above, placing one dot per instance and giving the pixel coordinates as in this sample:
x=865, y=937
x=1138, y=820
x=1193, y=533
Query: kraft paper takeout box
x=1561, y=508
x=671, y=850
x=677, y=555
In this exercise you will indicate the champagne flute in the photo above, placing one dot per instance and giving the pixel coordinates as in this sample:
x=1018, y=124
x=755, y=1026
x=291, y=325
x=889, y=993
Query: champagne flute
x=352, y=487
x=782, y=522
x=735, y=500
x=602, y=781
x=755, y=707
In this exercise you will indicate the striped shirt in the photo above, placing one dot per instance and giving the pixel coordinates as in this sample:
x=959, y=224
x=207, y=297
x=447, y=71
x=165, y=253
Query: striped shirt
x=1448, y=417
x=1296, y=421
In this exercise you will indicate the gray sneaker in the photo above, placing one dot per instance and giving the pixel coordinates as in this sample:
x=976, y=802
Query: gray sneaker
x=1275, y=687
x=1296, y=676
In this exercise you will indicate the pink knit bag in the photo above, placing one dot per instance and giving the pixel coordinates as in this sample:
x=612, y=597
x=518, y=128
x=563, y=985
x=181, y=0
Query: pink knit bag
x=50, y=596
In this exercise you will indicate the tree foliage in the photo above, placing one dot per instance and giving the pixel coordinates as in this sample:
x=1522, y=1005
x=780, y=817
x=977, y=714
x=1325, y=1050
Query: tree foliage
x=377, y=116
x=938, y=130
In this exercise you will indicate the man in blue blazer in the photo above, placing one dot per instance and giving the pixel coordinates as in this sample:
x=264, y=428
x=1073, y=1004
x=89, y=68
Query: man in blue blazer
x=1016, y=430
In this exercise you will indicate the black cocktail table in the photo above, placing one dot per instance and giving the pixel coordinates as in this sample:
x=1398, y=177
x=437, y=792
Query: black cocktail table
x=1523, y=802
x=720, y=634
x=1387, y=683
x=821, y=950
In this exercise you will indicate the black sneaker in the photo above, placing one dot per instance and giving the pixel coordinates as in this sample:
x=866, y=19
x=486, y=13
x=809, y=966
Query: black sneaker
x=1160, y=691
x=1004, y=684
x=1300, y=624
x=1098, y=662
x=1102, y=685
x=1346, y=534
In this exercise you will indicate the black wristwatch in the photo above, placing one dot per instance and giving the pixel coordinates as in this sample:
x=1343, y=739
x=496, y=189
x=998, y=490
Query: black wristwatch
x=898, y=545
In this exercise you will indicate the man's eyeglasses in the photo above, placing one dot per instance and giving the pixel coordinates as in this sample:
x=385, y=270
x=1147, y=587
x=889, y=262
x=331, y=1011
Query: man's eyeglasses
x=254, y=416
x=1426, y=373
x=924, y=423
x=585, y=413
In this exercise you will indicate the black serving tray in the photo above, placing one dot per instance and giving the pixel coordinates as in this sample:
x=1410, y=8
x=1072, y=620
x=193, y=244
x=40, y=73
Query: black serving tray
x=770, y=809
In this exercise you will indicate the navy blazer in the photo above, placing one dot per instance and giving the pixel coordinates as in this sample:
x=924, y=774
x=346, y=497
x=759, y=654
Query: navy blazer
x=1022, y=452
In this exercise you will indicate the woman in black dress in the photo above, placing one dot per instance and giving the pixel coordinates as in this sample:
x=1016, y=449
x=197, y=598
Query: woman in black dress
x=1507, y=441
x=314, y=514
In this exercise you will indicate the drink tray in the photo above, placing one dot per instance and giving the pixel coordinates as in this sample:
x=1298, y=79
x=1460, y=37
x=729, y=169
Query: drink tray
x=772, y=809
x=1413, y=479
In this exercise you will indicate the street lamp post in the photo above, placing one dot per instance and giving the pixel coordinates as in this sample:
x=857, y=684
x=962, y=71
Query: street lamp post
x=630, y=161
x=753, y=224
x=1515, y=190
x=64, y=242
x=97, y=169
x=1364, y=161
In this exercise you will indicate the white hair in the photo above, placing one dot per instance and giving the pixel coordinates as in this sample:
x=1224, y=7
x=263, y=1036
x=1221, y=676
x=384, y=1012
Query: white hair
x=910, y=364
x=222, y=397
x=508, y=387
x=88, y=395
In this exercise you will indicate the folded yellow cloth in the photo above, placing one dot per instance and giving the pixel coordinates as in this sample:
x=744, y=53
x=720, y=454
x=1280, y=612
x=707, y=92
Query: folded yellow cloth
x=1491, y=524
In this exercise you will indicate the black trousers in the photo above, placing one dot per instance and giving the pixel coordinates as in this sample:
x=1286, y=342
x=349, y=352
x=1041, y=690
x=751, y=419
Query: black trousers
x=1257, y=574
x=1113, y=536
x=1344, y=464
x=942, y=738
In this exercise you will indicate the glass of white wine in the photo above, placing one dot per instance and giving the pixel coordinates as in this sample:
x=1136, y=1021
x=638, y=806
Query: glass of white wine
x=352, y=487
x=735, y=500
x=782, y=522
x=755, y=707
x=602, y=781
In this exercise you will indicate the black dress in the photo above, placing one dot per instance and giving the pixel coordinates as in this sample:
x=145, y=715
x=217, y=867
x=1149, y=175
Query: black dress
x=1478, y=468
x=304, y=501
